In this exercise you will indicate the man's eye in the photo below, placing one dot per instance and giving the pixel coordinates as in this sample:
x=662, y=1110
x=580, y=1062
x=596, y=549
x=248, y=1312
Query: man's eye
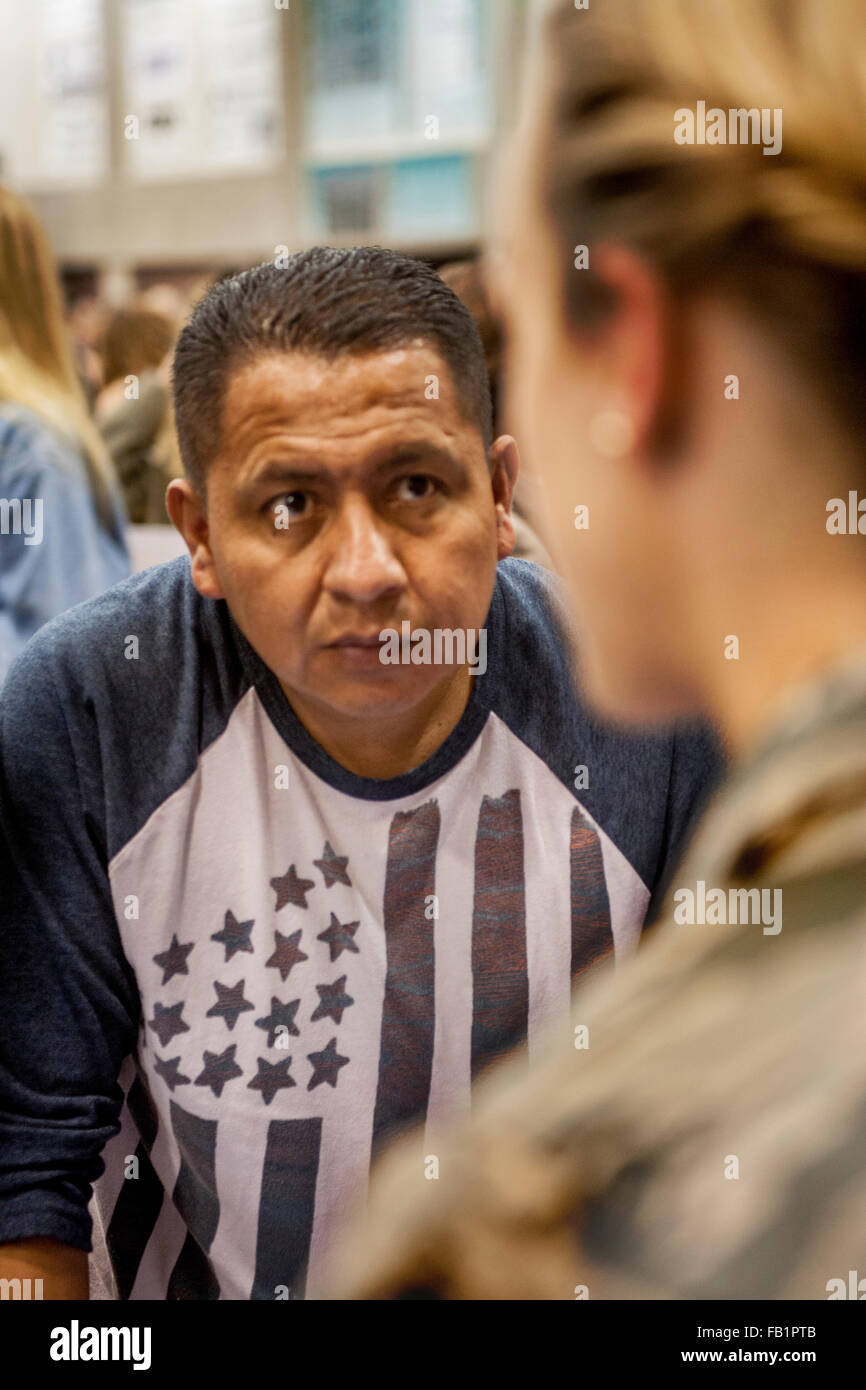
x=291, y=503
x=419, y=486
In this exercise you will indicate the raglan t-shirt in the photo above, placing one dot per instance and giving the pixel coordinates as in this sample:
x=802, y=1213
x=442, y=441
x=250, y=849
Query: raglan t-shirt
x=230, y=969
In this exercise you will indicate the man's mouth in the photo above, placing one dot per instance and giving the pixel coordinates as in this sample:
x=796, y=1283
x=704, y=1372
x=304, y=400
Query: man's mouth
x=357, y=639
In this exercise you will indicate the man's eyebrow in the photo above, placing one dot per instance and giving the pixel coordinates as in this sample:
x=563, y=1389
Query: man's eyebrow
x=413, y=451
x=278, y=470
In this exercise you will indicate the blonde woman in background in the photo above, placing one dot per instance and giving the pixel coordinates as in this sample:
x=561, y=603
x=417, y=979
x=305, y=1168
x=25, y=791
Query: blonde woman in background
x=699, y=388
x=61, y=515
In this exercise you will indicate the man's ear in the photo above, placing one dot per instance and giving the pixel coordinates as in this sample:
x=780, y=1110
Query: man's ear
x=187, y=512
x=504, y=467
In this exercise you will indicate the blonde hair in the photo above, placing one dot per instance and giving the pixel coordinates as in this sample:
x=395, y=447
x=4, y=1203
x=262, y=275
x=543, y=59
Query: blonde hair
x=37, y=370
x=785, y=232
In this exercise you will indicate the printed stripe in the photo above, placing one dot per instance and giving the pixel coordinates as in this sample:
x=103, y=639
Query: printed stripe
x=132, y=1223
x=196, y=1199
x=139, y=1200
x=143, y=1112
x=591, y=932
x=408, y=1011
x=287, y=1207
x=193, y=1279
x=500, y=981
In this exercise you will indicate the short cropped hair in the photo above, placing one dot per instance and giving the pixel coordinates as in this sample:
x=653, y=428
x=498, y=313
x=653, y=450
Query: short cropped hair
x=324, y=302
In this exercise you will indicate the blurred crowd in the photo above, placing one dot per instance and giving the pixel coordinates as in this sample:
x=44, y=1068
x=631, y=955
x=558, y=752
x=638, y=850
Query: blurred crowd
x=123, y=359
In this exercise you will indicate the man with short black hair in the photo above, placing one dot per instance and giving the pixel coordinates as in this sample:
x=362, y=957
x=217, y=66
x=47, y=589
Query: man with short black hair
x=288, y=895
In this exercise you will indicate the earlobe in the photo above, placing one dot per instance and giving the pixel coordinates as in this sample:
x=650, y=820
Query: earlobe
x=203, y=573
x=612, y=434
x=504, y=533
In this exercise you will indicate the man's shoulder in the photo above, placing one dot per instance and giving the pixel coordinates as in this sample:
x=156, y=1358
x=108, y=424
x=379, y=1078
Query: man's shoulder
x=129, y=689
x=536, y=621
x=151, y=616
x=531, y=589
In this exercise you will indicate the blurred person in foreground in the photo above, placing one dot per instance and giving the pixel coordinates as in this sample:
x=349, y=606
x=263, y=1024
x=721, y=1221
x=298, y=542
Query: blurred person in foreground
x=466, y=279
x=702, y=1132
x=61, y=515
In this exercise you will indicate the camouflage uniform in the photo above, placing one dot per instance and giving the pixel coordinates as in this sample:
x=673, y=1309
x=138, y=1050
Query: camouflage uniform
x=710, y=1142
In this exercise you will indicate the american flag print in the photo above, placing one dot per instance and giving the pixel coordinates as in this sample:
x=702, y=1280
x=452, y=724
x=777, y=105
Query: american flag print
x=316, y=971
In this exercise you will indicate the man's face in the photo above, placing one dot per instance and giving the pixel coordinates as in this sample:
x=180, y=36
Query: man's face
x=391, y=515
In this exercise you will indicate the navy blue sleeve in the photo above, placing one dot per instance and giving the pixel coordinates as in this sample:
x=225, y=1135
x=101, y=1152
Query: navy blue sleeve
x=697, y=763
x=68, y=999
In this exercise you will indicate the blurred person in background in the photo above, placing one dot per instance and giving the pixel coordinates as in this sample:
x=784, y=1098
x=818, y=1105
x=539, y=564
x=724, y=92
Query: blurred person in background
x=132, y=409
x=137, y=339
x=61, y=514
x=465, y=278
x=86, y=321
x=702, y=1134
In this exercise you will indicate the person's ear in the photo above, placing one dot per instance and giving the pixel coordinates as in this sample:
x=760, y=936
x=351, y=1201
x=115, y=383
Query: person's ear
x=187, y=512
x=626, y=371
x=504, y=467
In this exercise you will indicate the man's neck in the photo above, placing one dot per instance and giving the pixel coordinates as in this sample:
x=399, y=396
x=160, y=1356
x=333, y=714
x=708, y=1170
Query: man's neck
x=387, y=747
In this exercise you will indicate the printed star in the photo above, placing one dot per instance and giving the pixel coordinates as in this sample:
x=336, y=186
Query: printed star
x=339, y=936
x=326, y=1065
x=230, y=1003
x=291, y=889
x=219, y=1067
x=333, y=999
x=287, y=953
x=271, y=1077
x=235, y=935
x=167, y=1022
x=170, y=1074
x=173, y=961
x=281, y=1016
x=333, y=866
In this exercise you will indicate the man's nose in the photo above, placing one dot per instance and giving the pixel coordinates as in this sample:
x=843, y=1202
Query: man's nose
x=361, y=563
